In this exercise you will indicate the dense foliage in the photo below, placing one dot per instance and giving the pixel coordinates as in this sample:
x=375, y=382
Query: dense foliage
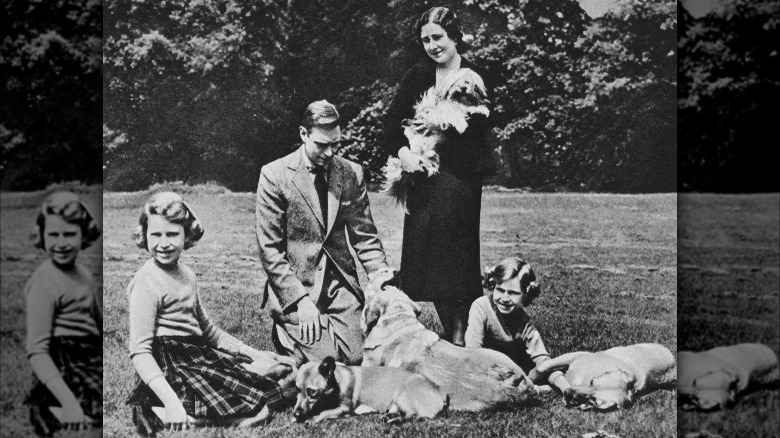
x=210, y=90
x=729, y=89
x=50, y=98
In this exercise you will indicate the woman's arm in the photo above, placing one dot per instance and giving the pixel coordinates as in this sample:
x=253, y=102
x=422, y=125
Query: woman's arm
x=402, y=107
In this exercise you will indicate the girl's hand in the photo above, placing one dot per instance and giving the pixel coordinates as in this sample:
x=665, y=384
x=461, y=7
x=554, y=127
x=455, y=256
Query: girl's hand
x=561, y=383
x=176, y=417
x=73, y=417
x=267, y=356
x=410, y=162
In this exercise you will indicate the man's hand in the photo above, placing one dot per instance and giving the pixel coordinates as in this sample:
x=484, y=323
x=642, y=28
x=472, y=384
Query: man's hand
x=410, y=162
x=309, y=321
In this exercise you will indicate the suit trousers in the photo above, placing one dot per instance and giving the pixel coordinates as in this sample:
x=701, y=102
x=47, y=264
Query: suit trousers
x=342, y=337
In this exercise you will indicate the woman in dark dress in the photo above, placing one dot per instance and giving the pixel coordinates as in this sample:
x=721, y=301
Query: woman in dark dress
x=440, y=260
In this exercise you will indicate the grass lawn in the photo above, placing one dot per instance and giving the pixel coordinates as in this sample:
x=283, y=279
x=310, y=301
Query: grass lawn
x=19, y=260
x=607, y=265
x=729, y=286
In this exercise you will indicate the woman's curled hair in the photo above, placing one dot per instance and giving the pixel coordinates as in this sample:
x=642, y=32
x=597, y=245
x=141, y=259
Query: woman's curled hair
x=447, y=19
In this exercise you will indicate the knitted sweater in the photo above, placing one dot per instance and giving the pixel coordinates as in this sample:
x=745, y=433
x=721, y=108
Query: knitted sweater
x=164, y=301
x=59, y=302
x=513, y=335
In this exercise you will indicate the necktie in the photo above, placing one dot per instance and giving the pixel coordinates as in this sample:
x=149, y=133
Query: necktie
x=321, y=185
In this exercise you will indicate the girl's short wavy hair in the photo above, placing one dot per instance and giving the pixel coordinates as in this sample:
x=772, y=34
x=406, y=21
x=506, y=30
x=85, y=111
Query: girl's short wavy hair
x=508, y=269
x=173, y=208
x=69, y=207
x=447, y=19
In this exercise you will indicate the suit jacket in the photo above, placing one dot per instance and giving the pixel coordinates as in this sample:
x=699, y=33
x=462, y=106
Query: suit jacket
x=295, y=240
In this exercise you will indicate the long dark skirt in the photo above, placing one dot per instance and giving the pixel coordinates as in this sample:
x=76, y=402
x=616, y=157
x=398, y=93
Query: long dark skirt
x=209, y=383
x=440, y=253
x=80, y=362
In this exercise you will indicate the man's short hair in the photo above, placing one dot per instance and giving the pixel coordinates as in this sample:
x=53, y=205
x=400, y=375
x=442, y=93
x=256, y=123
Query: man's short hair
x=320, y=113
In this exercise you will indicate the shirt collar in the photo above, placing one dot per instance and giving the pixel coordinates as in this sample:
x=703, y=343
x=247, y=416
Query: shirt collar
x=309, y=165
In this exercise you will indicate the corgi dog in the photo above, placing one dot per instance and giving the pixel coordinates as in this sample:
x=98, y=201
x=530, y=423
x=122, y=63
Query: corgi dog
x=330, y=390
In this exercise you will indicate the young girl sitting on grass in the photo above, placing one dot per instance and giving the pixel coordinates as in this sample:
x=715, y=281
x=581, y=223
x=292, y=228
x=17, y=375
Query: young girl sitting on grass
x=498, y=321
x=64, y=322
x=174, y=343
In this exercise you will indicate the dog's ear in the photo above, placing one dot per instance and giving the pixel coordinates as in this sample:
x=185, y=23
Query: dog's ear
x=732, y=395
x=327, y=366
x=630, y=391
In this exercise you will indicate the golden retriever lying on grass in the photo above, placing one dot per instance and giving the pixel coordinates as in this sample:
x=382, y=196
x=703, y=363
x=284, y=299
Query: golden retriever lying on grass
x=611, y=378
x=475, y=379
x=715, y=378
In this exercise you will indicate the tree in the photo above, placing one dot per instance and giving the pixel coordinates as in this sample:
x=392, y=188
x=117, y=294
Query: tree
x=50, y=67
x=567, y=92
x=190, y=85
x=728, y=98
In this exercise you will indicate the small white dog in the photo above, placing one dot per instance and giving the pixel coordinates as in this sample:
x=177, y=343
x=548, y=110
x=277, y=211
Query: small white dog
x=461, y=95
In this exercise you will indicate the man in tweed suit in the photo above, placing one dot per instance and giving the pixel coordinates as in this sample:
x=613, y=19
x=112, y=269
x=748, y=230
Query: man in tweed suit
x=312, y=206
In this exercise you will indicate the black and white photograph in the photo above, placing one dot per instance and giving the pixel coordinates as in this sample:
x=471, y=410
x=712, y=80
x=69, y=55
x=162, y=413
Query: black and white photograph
x=369, y=218
x=360, y=218
x=728, y=220
x=51, y=308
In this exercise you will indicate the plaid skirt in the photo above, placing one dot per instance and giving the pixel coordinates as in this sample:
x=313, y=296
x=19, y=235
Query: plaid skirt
x=80, y=362
x=209, y=383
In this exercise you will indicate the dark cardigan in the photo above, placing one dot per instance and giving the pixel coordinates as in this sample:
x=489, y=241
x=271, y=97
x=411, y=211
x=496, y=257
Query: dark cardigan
x=467, y=154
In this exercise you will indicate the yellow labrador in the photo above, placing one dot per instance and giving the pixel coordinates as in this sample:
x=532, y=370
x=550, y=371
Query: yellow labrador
x=475, y=379
x=715, y=378
x=611, y=378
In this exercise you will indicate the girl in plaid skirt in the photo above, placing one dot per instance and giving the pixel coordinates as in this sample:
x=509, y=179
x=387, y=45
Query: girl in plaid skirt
x=64, y=322
x=185, y=363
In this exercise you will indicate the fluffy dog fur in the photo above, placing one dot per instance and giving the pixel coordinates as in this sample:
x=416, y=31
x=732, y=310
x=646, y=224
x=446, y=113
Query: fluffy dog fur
x=335, y=390
x=611, y=378
x=715, y=378
x=475, y=379
x=461, y=95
